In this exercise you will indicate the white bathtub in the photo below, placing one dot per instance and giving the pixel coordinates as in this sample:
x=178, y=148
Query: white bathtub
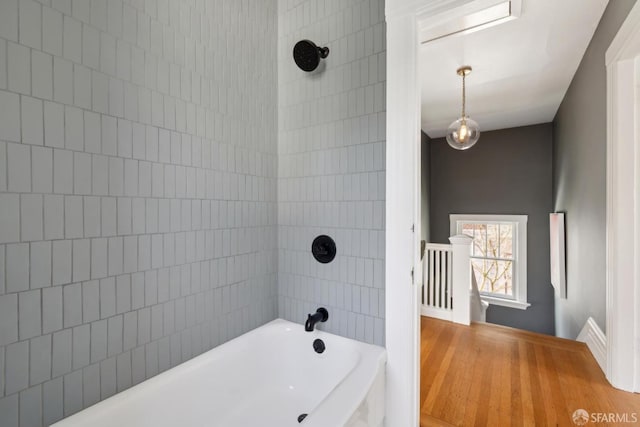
x=266, y=377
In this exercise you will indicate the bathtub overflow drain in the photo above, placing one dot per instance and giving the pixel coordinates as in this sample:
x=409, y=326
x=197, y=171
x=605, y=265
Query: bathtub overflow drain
x=301, y=417
x=318, y=346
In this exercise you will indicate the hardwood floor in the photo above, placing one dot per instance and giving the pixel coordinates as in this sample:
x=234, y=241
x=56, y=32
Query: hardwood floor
x=489, y=375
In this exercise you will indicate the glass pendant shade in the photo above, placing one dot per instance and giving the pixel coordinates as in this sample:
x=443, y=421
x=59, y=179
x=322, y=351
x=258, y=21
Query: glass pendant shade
x=463, y=133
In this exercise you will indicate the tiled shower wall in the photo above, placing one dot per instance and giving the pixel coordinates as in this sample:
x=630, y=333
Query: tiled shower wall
x=331, y=165
x=138, y=144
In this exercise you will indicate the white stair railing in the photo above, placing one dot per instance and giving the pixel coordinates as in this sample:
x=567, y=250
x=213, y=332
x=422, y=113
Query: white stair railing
x=447, y=280
x=437, y=296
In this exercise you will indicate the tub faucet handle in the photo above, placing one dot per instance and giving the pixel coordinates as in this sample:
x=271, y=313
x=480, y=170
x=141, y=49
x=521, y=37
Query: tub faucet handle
x=321, y=315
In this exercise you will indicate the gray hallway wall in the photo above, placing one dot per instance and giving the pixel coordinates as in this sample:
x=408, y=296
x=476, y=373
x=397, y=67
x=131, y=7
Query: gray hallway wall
x=579, y=179
x=425, y=196
x=507, y=172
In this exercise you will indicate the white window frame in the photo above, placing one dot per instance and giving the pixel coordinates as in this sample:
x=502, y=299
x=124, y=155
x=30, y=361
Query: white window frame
x=519, y=285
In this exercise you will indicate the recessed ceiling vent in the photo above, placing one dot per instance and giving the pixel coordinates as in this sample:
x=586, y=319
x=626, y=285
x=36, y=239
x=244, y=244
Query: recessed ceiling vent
x=473, y=16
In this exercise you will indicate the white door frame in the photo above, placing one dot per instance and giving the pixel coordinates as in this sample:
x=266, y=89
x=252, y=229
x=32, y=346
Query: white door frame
x=623, y=206
x=402, y=231
x=403, y=208
x=402, y=222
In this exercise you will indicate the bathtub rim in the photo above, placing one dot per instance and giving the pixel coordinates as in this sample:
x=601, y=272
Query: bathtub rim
x=330, y=410
x=356, y=384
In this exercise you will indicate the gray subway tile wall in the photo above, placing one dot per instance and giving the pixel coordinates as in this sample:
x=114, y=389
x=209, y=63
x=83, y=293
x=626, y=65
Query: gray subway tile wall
x=331, y=165
x=138, y=191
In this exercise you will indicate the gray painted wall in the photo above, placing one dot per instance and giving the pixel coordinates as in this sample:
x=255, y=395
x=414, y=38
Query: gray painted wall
x=579, y=179
x=425, y=189
x=331, y=165
x=138, y=162
x=507, y=172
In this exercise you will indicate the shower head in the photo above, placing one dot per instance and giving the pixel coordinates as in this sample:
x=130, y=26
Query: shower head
x=307, y=55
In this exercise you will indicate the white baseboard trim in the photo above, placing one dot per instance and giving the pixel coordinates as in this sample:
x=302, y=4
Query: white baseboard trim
x=437, y=313
x=596, y=341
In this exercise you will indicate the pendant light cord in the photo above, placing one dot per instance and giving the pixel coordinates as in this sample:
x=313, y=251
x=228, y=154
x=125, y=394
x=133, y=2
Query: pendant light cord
x=464, y=97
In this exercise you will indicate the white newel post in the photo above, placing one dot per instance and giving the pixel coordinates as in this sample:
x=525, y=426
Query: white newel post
x=461, y=249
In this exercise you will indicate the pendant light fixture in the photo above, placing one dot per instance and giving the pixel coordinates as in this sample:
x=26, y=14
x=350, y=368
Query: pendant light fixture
x=464, y=132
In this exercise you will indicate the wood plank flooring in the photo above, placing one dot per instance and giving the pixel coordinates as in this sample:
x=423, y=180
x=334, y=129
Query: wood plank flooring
x=489, y=375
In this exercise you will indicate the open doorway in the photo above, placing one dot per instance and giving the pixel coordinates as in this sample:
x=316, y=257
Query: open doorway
x=500, y=191
x=403, y=28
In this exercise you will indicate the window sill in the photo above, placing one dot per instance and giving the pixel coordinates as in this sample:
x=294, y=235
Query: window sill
x=505, y=302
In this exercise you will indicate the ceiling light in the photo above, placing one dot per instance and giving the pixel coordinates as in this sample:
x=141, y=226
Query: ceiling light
x=464, y=132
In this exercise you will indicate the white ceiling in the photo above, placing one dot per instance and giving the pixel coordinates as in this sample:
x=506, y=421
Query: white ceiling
x=521, y=68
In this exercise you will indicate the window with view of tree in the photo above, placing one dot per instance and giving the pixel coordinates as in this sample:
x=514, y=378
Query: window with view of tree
x=498, y=255
x=492, y=256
